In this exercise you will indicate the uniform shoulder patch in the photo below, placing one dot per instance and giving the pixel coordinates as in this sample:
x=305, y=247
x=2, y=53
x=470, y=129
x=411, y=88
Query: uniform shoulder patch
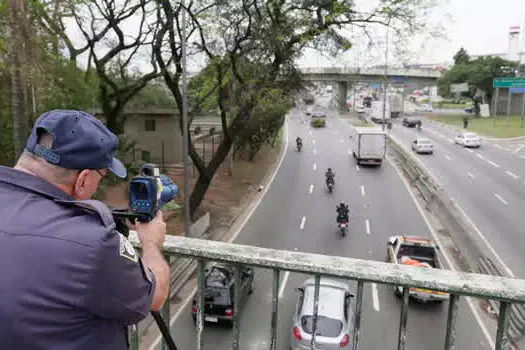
x=126, y=249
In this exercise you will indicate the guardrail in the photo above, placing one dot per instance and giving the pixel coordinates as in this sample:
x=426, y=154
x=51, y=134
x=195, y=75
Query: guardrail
x=504, y=290
x=451, y=215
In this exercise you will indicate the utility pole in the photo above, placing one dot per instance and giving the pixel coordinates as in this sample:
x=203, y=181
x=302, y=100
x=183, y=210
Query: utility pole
x=187, y=219
x=386, y=72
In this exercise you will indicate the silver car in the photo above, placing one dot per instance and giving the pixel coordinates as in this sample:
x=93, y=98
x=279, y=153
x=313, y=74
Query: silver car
x=335, y=319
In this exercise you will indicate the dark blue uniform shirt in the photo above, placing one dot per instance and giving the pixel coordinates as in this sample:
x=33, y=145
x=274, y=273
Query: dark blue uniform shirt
x=69, y=280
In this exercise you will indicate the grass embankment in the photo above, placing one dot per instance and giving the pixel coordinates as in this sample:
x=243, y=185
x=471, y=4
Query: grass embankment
x=486, y=126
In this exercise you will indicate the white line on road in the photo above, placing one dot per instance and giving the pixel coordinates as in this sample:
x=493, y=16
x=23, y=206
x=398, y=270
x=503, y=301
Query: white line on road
x=375, y=297
x=469, y=150
x=510, y=173
x=310, y=132
x=311, y=189
x=480, y=156
x=493, y=164
x=357, y=167
x=315, y=151
x=471, y=305
x=450, y=140
x=315, y=166
x=522, y=157
x=362, y=190
x=448, y=158
x=367, y=226
x=303, y=222
x=342, y=141
x=519, y=148
x=500, y=198
x=313, y=142
x=471, y=176
x=283, y=284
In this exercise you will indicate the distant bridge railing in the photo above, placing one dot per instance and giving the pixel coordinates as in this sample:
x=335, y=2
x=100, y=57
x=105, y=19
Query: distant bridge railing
x=407, y=72
x=504, y=290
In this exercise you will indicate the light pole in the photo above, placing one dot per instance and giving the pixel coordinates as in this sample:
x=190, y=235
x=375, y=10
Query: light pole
x=386, y=72
x=185, y=126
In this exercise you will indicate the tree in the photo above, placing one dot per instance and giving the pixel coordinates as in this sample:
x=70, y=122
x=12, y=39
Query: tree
x=251, y=48
x=461, y=57
x=479, y=74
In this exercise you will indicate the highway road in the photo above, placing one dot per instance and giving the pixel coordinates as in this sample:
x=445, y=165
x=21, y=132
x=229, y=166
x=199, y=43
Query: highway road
x=297, y=213
x=488, y=183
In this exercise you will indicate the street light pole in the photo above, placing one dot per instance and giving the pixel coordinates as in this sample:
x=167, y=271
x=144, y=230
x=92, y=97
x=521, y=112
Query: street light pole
x=386, y=72
x=185, y=127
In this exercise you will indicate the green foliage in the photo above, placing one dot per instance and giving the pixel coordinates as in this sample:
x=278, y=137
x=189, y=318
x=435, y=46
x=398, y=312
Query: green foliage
x=461, y=57
x=318, y=123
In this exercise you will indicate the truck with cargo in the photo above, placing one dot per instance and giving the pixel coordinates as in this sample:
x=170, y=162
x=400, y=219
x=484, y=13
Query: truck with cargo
x=368, y=145
x=395, y=102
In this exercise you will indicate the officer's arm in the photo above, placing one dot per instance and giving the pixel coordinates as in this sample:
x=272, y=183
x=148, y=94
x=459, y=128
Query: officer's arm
x=154, y=260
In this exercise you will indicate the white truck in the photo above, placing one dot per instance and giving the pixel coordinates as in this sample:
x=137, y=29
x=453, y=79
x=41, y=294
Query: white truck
x=368, y=145
x=395, y=102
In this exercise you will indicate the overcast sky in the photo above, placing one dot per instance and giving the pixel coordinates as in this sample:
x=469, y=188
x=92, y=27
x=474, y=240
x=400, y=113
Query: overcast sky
x=481, y=26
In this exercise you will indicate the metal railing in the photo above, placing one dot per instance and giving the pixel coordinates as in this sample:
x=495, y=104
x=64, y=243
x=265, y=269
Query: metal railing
x=504, y=290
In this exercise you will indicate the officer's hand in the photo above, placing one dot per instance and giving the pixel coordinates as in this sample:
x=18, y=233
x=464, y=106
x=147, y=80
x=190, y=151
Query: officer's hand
x=152, y=232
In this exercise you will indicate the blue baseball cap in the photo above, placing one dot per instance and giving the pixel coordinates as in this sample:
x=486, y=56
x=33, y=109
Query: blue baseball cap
x=80, y=141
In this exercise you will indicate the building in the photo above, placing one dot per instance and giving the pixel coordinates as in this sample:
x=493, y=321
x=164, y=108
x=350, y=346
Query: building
x=515, y=49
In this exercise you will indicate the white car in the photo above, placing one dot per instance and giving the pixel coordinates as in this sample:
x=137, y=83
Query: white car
x=360, y=109
x=425, y=108
x=468, y=139
x=423, y=146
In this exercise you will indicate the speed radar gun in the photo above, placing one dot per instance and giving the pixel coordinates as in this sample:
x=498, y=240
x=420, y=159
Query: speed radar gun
x=148, y=192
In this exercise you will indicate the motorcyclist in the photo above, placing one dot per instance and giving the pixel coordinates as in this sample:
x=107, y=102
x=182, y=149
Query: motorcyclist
x=330, y=176
x=342, y=212
x=298, y=141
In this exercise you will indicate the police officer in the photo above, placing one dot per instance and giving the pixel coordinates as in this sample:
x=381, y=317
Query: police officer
x=69, y=280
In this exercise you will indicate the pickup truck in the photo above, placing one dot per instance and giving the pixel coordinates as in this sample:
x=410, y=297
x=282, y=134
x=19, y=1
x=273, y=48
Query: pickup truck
x=420, y=252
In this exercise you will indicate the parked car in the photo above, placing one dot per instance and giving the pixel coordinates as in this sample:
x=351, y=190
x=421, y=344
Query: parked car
x=468, y=139
x=380, y=120
x=335, y=319
x=425, y=108
x=423, y=146
x=219, y=287
x=411, y=122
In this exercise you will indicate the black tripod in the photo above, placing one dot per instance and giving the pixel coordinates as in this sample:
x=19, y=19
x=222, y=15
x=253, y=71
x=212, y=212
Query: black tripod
x=119, y=216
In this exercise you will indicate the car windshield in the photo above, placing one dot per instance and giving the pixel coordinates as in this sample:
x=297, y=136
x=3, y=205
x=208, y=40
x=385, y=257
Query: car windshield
x=326, y=327
x=471, y=136
x=425, y=142
x=217, y=296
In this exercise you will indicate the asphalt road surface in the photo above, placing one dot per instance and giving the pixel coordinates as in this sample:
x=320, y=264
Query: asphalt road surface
x=488, y=183
x=298, y=213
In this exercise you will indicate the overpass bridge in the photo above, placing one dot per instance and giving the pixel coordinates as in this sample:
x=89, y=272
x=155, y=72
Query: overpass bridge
x=344, y=77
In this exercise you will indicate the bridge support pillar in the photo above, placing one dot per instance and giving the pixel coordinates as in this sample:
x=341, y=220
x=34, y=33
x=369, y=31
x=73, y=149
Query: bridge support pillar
x=343, y=90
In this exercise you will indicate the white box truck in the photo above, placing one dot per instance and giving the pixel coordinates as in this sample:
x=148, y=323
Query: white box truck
x=368, y=145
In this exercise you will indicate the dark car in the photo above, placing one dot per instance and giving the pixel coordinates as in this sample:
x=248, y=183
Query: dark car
x=380, y=120
x=470, y=109
x=411, y=122
x=219, y=291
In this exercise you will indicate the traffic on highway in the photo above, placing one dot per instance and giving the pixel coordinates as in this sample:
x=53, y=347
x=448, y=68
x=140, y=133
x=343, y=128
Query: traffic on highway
x=323, y=201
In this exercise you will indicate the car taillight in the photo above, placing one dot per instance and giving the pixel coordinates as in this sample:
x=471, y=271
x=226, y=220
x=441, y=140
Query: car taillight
x=194, y=308
x=344, y=341
x=228, y=312
x=297, y=333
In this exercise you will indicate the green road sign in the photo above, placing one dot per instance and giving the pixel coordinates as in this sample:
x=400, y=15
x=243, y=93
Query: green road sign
x=508, y=82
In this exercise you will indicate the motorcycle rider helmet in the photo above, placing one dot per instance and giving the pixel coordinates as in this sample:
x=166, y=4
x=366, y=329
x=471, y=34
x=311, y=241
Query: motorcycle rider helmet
x=330, y=170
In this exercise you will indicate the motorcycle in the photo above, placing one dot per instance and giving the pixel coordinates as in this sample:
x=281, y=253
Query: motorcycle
x=343, y=228
x=330, y=184
x=299, y=146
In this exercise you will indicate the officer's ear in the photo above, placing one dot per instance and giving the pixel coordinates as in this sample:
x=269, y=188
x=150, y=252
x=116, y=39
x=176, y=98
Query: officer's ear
x=85, y=185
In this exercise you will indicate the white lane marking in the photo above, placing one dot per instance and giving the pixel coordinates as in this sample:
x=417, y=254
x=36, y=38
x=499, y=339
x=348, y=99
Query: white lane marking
x=500, y=198
x=303, y=222
x=492, y=250
x=367, y=226
x=315, y=166
x=255, y=205
x=480, y=156
x=349, y=151
x=510, y=173
x=357, y=167
x=451, y=140
x=471, y=176
x=310, y=132
x=519, y=148
x=493, y=164
x=315, y=151
x=448, y=158
x=486, y=333
x=522, y=157
x=311, y=189
x=313, y=142
x=342, y=141
x=283, y=284
x=469, y=150
x=375, y=297
x=362, y=190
